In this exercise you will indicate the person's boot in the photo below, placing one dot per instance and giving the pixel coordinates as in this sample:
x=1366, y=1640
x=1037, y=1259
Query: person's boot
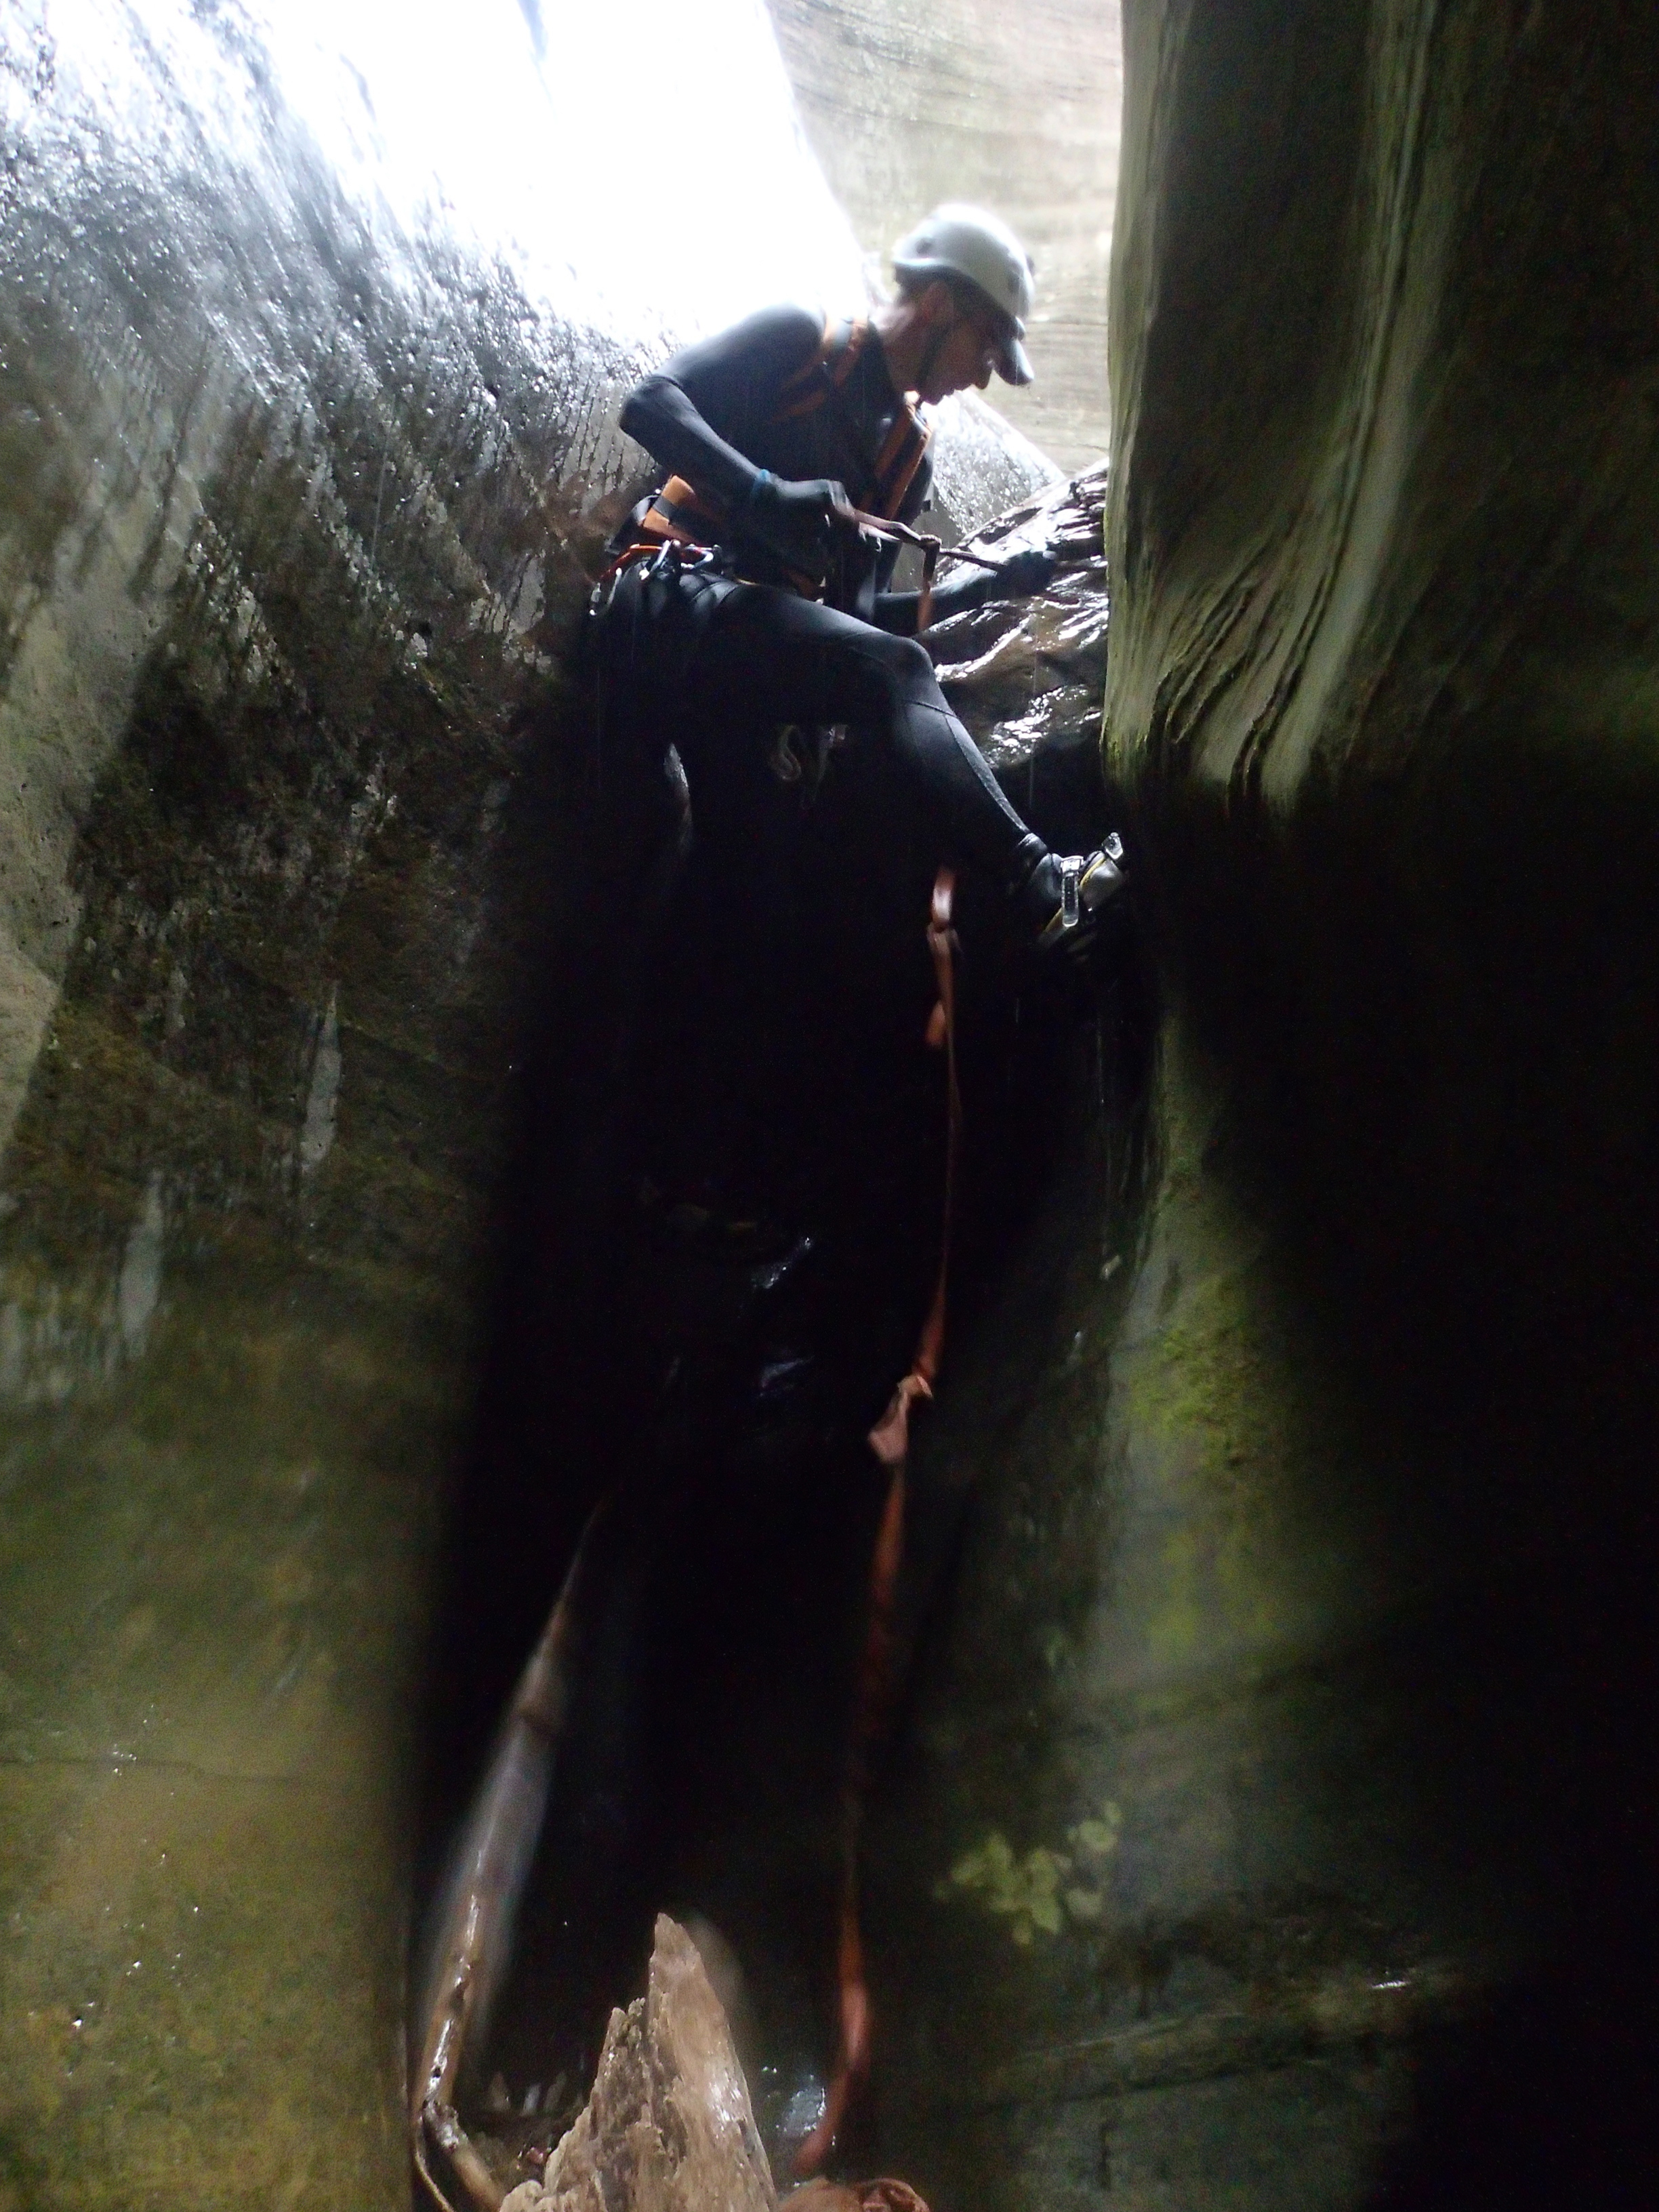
x=1063, y=894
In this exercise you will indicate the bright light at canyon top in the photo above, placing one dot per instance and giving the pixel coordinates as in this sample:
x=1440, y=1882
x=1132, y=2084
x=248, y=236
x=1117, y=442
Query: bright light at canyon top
x=639, y=162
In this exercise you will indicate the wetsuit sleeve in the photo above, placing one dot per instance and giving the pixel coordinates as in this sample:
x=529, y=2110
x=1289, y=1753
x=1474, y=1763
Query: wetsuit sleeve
x=699, y=413
x=953, y=594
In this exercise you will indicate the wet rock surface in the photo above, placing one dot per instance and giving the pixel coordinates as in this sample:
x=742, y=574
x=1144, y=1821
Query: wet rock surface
x=284, y=596
x=668, y=2123
x=1029, y=678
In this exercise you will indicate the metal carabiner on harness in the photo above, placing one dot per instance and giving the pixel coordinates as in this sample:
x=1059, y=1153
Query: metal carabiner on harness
x=1071, y=906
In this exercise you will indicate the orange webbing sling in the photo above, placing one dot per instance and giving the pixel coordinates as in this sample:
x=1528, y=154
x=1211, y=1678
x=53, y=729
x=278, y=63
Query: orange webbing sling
x=890, y=1440
x=681, y=513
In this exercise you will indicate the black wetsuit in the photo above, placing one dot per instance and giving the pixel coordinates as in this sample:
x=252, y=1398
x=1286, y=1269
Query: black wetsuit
x=734, y=649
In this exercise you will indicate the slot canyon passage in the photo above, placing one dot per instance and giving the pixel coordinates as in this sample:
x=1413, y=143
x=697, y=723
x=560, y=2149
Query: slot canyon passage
x=1262, y=1820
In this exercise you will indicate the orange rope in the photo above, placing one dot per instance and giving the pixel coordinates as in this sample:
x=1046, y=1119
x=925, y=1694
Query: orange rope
x=890, y=1440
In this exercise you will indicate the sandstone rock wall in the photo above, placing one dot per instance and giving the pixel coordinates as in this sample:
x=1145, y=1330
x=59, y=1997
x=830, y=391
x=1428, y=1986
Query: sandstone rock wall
x=312, y=332
x=1269, y=1832
x=1384, y=638
x=1385, y=627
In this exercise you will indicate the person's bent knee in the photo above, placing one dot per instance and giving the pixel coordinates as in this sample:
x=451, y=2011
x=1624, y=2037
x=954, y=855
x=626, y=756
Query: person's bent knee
x=906, y=669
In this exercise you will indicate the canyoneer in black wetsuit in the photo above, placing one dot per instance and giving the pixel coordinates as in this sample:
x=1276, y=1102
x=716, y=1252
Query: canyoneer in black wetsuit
x=744, y=593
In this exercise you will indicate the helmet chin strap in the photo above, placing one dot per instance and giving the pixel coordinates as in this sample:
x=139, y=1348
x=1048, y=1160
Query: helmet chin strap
x=934, y=347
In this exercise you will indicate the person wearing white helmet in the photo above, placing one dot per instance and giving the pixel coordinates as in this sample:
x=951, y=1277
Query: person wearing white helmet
x=982, y=264
x=743, y=595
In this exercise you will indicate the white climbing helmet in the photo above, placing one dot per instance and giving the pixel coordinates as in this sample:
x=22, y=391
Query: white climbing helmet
x=973, y=245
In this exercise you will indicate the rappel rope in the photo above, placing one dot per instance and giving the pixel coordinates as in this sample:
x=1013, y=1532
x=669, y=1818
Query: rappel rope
x=890, y=1440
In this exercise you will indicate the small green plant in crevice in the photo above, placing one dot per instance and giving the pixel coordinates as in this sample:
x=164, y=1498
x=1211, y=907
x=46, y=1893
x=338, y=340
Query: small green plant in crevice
x=1039, y=1891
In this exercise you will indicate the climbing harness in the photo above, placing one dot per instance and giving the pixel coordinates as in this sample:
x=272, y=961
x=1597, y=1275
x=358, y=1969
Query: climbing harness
x=680, y=514
x=824, y=382
x=890, y=1440
x=694, y=553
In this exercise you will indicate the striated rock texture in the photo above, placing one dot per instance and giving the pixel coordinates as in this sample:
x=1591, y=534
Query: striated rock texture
x=1385, y=637
x=1272, y=1831
x=668, y=2127
x=1385, y=682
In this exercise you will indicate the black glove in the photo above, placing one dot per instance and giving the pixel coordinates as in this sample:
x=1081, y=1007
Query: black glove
x=795, y=520
x=1030, y=570
x=1022, y=574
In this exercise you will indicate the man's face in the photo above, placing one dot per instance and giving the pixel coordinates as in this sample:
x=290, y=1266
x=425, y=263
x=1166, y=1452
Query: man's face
x=967, y=354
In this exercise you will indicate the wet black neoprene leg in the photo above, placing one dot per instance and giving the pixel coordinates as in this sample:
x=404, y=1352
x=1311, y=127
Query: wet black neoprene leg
x=981, y=819
x=766, y=652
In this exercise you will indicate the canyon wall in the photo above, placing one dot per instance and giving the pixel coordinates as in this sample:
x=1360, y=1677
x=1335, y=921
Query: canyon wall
x=1262, y=1829
x=1270, y=1832
x=311, y=341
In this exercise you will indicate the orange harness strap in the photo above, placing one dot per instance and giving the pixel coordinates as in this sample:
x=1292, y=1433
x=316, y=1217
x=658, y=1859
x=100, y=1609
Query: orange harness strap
x=900, y=457
x=834, y=361
x=681, y=513
x=890, y=1440
x=626, y=559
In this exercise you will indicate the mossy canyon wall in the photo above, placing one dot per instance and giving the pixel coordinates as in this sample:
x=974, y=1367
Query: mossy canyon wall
x=1384, y=335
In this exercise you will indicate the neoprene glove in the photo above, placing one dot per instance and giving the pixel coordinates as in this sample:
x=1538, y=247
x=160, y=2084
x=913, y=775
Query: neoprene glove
x=1031, y=569
x=795, y=520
